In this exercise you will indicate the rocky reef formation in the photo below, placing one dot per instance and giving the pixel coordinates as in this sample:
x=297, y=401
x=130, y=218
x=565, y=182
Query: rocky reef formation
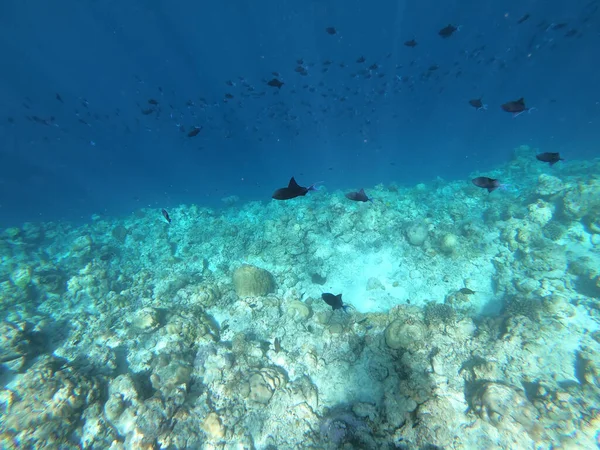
x=475, y=322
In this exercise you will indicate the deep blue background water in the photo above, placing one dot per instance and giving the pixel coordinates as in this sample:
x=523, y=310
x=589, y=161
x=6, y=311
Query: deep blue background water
x=114, y=55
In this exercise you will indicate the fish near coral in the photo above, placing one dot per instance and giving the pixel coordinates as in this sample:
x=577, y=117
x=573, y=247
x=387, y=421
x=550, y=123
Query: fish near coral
x=293, y=190
x=549, y=157
x=359, y=196
x=335, y=301
x=490, y=184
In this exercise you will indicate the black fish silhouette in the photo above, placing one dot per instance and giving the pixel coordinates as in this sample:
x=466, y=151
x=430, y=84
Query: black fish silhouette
x=166, y=215
x=411, y=43
x=549, y=157
x=335, y=301
x=275, y=83
x=477, y=104
x=359, y=196
x=515, y=106
x=194, y=131
x=490, y=184
x=293, y=190
x=331, y=30
x=447, y=31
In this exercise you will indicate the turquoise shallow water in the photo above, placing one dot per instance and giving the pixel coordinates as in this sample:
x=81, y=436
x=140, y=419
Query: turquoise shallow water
x=472, y=321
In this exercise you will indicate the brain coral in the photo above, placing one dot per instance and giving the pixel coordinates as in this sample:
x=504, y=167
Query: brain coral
x=250, y=281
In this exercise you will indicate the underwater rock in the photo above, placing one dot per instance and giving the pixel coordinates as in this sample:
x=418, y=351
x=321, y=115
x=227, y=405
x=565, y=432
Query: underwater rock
x=579, y=200
x=417, y=233
x=252, y=281
x=298, y=309
x=213, y=427
x=449, y=244
x=403, y=335
x=146, y=319
x=21, y=277
x=82, y=244
x=342, y=426
x=46, y=405
x=16, y=344
x=261, y=385
x=548, y=185
x=503, y=406
x=540, y=212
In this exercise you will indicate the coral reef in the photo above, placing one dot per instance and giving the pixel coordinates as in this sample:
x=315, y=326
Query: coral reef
x=474, y=321
x=252, y=281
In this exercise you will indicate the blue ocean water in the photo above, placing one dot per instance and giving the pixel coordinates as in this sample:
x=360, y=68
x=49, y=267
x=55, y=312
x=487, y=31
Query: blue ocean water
x=347, y=126
x=299, y=225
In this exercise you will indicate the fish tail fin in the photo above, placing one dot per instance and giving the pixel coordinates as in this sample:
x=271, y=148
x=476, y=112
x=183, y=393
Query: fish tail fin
x=314, y=187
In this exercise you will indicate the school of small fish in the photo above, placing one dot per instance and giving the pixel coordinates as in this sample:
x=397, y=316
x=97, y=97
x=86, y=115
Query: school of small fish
x=372, y=81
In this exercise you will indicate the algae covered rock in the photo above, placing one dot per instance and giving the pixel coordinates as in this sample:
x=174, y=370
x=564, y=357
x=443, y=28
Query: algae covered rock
x=449, y=244
x=548, y=185
x=21, y=277
x=252, y=281
x=417, y=234
x=404, y=335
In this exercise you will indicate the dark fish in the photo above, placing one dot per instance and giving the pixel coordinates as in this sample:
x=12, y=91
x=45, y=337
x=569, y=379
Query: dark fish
x=152, y=101
x=433, y=67
x=293, y=190
x=558, y=26
x=59, y=98
x=277, y=345
x=359, y=196
x=147, y=111
x=194, y=131
x=516, y=106
x=411, y=43
x=335, y=301
x=275, y=83
x=361, y=59
x=447, y=31
x=549, y=157
x=523, y=19
x=477, y=104
x=486, y=183
x=331, y=30
x=466, y=291
x=166, y=215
